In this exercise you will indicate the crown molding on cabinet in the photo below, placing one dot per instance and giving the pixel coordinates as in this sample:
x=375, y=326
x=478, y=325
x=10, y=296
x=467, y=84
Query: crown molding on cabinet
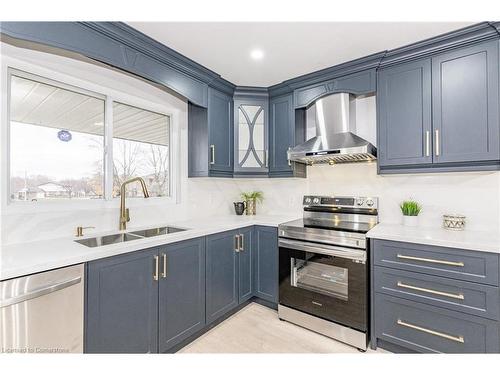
x=133, y=38
x=496, y=26
x=119, y=45
x=251, y=92
x=350, y=67
x=458, y=38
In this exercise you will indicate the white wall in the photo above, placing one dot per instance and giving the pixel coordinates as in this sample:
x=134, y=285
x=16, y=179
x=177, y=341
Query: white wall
x=476, y=195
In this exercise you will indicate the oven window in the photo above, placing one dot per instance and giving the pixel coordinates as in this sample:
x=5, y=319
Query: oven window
x=319, y=277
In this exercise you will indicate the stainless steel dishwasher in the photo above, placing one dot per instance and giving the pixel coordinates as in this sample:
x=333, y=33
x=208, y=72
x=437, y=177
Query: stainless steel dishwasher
x=43, y=312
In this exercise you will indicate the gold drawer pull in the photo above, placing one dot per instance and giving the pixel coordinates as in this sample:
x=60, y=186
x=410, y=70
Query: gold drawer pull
x=451, y=295
x=459, y=339
x=447, y=262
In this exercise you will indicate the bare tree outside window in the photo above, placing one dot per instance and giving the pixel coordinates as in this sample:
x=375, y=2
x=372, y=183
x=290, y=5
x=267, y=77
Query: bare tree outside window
x=141, y=149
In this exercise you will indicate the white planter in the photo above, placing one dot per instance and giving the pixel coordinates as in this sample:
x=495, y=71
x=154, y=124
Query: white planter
x=410, y=221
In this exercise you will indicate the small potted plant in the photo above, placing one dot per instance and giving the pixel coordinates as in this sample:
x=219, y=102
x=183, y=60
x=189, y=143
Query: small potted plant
x=251, y=199
x=410, y=210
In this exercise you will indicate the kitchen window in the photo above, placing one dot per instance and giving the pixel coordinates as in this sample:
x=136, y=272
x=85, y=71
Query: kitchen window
x=56, y=142
x=67, y=143
x=140, y=149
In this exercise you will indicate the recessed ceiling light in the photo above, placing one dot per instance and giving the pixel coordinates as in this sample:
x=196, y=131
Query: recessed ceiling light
x=257, y=54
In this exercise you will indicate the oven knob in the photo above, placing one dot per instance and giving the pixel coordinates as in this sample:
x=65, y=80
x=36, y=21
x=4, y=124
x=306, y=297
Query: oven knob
x=316, y=200
x=360, y=201
x=369, y=202
x=307, y=200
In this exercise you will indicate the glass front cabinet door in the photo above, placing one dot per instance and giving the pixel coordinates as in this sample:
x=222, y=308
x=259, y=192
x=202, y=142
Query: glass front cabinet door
x=251, y=140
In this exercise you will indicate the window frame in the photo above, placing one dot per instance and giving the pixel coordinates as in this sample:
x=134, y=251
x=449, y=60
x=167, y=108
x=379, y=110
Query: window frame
x=13, y=67
x=108, y=175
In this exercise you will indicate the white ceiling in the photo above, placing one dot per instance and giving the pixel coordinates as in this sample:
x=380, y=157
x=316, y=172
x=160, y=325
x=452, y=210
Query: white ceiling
x=291, y=48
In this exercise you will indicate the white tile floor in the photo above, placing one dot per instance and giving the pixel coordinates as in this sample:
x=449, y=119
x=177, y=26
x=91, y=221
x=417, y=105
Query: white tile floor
x=257, y=329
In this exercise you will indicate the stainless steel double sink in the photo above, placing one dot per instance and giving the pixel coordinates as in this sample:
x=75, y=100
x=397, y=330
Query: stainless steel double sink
x=130, y=236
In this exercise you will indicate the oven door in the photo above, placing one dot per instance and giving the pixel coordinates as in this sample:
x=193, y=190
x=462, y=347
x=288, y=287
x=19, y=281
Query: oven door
x=326, y=281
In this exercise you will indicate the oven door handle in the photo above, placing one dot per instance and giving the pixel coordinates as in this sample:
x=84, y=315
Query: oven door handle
x=340, y=252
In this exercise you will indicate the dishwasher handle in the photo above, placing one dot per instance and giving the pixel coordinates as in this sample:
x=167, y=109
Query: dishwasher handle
x=40, y=292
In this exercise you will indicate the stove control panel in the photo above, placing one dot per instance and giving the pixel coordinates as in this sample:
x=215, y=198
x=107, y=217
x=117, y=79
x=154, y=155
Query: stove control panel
x=350, y=202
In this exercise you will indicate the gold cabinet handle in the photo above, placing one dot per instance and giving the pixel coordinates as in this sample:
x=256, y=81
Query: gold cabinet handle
x=164, y=273
x=459, y=339
x=237, y=243
x=428, y=260
x=157, y=265
x=242, y=239
x=431, y=291
x=427, y=143
x=436, y=141
x=212, y=154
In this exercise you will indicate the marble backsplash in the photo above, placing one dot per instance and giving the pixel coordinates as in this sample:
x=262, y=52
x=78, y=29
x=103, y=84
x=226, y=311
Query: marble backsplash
x=474, y=194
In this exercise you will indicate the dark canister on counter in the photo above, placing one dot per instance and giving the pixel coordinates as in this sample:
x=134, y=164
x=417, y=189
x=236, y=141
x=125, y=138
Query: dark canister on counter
x=239, y=207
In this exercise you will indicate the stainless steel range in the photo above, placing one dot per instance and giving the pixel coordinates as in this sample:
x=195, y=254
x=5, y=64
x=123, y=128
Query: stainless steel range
x=323, y=267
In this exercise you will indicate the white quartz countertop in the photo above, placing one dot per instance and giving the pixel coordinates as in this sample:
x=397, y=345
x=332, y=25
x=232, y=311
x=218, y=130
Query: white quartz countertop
x=466, y=239
x=30, y=257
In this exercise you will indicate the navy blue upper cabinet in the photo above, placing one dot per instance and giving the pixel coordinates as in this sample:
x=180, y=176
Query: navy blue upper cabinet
x=465, y=104
x=210, y=137
x=404, y=114
x=266, y=263
x=358, y=83
x=441, y=113
x=181, y=292
x=122, y=304
x=286, y=129
x=251, y=155
x=220, y=129
x=281, y=134
x=221, y=274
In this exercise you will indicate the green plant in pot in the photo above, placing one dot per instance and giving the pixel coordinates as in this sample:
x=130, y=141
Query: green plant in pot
x=410, y=209
x=251, y=199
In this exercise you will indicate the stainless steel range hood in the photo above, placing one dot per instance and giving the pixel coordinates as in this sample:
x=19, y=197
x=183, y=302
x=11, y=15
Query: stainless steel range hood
x=336, y=139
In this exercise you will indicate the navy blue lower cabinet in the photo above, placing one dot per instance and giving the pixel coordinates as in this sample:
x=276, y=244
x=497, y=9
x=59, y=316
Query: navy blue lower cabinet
x=265, y=258
x=434, y=299
x=428, y=329
x=475, y=266
x=122, y=304
x=246, y=274
x=470, y=298
x=221, y=274
x=181, y=292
